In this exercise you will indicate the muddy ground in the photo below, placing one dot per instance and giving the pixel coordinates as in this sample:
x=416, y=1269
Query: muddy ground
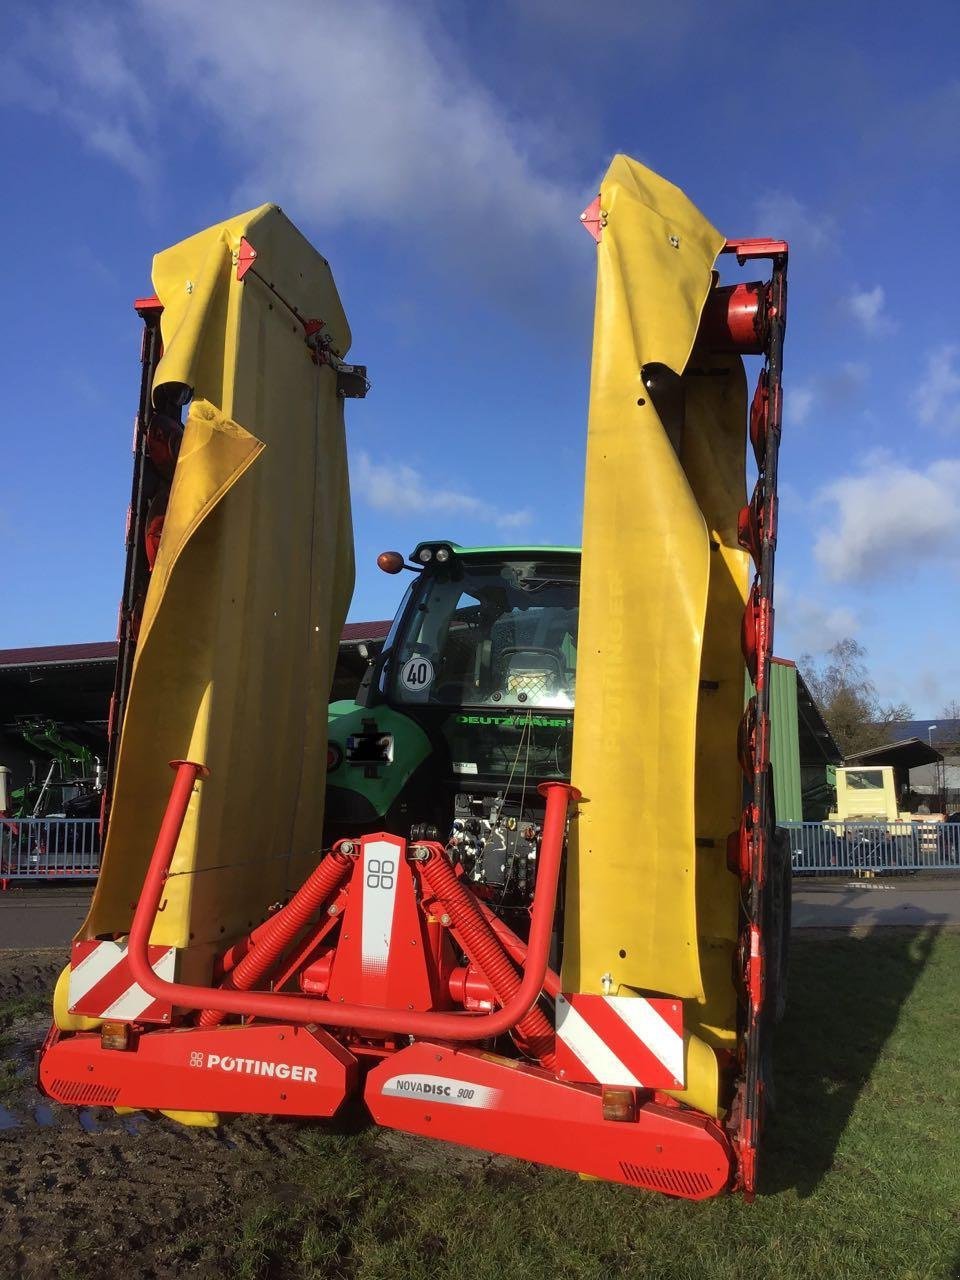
x=87, y=1193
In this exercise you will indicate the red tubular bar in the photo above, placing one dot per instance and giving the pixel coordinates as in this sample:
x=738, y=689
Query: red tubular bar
x=487, y=952
x=516, y=949
x=280, y=930
x=291, y=1008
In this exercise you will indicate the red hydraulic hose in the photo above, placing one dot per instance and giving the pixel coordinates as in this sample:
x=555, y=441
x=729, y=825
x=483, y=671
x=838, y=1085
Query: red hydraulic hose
x=299, y=1009
x=516, y=949
x=279, y=931
x=486, y=951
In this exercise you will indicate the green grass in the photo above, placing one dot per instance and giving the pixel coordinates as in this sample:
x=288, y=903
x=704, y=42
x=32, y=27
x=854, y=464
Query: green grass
x=861, y=1176
x=11, y=1011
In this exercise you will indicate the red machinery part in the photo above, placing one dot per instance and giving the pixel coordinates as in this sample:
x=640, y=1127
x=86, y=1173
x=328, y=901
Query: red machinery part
x=156, y=515
x=296, y=1009
x=277, y=934
x=470, y=988
x=735, y=318
x=517, y=949
x=749, y=849
x=280, y=1070
x=759, y=417
x=500, y=1105
x=385, y=955
x=486, y=951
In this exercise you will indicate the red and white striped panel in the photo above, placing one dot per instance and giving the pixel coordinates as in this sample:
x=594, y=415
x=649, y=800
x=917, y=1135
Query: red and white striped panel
x=101, y=985
x=622, y=1040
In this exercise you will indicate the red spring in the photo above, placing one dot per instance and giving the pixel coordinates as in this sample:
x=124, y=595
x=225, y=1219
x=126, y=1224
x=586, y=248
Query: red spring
x=323, y=882
x=487, y=953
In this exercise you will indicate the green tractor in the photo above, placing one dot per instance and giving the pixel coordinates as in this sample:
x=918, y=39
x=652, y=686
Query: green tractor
x=467, y=708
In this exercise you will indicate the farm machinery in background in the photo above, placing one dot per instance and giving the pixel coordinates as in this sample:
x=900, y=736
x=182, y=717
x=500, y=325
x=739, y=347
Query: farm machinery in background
x=65, y=782
x=525, y=893
x=66, y=773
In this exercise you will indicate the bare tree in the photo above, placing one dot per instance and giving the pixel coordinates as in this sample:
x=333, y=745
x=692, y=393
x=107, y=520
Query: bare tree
x=848, y=699
x=952, y=710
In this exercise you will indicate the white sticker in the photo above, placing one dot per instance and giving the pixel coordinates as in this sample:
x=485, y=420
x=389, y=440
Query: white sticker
x=461, y=1093
x=381, y=859
x=416, y=674
x=464, y=766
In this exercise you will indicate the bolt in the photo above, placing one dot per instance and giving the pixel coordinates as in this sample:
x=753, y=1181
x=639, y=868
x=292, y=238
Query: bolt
x=332, y=909
x=675, y=241
x=419, y=853
x=583, y=217
x=445, y=919
x=189, y=286
x=346, y=846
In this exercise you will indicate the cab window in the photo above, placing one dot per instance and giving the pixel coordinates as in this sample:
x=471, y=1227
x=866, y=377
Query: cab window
x=502, y=634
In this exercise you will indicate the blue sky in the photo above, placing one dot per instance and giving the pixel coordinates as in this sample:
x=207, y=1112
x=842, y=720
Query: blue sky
x=439, y=154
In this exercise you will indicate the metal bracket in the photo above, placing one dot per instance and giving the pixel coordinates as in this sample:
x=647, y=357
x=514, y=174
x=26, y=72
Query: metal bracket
x=761, y=247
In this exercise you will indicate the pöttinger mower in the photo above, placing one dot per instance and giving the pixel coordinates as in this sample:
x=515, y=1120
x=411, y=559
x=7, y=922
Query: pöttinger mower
x=556, y=936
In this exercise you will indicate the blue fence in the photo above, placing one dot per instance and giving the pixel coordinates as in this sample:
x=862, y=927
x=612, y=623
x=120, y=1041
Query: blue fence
x=45, y=848
x=845, y=848
x=42, y=848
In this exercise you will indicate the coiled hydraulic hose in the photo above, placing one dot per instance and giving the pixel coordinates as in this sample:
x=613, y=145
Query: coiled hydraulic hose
x=487, y=952
x=441, y=1025
x=278, y=932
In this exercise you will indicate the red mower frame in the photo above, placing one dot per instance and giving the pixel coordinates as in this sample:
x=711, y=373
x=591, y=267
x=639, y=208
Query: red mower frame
x=366, y=991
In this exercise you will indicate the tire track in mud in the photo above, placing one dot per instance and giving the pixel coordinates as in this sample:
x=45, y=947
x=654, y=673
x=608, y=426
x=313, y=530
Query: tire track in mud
x=89, y=1193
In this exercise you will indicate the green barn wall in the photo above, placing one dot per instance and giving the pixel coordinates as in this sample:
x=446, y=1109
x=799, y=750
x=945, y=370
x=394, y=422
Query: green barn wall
x=784, y=740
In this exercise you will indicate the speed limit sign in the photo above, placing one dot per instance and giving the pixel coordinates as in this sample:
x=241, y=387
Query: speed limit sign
x=416, y=674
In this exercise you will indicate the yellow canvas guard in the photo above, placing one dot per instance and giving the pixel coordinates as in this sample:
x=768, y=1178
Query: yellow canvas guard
x=247, y=599
x=651, y=907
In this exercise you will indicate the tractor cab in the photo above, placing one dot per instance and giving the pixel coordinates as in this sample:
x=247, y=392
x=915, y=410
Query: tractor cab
x=467, y=709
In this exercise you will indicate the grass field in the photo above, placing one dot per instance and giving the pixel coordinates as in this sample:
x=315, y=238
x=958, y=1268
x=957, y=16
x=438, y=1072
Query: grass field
x=861, y=1177
x=10, y=1012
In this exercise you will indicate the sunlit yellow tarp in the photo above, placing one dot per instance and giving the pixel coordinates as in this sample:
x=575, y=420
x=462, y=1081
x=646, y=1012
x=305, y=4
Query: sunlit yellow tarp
x=650, y=905
x=248, y=596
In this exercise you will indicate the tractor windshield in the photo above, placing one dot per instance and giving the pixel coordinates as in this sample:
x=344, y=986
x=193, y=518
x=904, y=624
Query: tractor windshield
x=498, y=634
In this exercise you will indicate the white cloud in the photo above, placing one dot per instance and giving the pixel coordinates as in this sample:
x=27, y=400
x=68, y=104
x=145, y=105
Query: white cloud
x=342, y=112
x=782, y=215
x=78, y=68
x=401, y=489
x=866, y=307
x=797, y=403
x=888, y=516
x=937, y=399
x=806, y=625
